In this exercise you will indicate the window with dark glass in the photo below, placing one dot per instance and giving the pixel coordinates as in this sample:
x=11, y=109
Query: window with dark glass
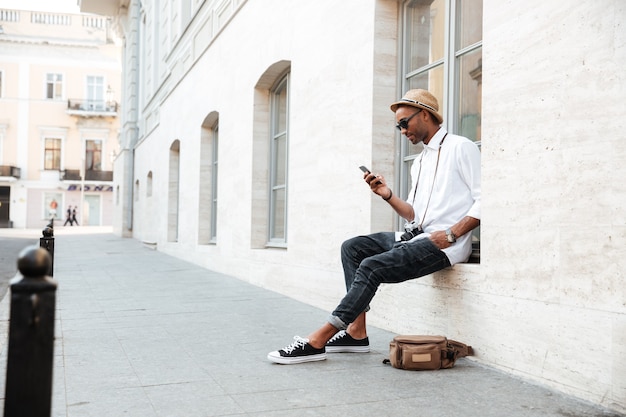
x=52, y=154
x=93, y=155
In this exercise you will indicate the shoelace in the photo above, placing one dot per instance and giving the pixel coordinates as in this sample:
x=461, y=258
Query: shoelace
x=298, y=343
x=337, y=336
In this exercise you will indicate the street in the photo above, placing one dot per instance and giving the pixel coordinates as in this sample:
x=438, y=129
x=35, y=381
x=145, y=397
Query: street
x=10, y=247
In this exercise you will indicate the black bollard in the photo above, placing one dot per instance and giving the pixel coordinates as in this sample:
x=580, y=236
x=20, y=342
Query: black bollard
x=47, y=242
x=31, y=337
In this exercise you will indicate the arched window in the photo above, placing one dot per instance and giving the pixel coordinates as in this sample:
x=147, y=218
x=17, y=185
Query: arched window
x=173, y=191
x=270, y=156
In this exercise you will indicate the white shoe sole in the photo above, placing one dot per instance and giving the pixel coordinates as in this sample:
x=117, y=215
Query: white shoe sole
x=347, y=349
x=283, y=360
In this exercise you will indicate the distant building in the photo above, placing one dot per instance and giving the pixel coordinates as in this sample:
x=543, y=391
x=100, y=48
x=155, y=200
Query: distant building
x=60, y=79
x=244, y=124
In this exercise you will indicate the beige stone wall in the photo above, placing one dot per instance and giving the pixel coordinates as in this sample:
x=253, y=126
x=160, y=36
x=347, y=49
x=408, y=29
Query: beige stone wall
x=546, y=302
x=551, y=301
x=339, y=120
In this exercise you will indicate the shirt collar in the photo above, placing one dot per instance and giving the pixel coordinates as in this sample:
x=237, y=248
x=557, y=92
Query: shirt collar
x=435, y=141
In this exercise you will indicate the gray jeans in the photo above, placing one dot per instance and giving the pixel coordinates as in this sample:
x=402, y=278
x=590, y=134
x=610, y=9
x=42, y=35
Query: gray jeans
x=371, y=260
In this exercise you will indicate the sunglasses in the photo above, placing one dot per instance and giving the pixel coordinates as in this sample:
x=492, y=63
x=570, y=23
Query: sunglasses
x=404, y=123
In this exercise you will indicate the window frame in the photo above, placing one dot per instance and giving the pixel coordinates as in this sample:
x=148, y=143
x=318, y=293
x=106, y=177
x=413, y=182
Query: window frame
x=54, y=84
x=95, y=92
x=275, y=135
x=214, y=173
x=55, y=151
x=96, y=160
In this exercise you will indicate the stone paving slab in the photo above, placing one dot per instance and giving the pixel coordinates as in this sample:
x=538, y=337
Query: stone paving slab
x=143, y=334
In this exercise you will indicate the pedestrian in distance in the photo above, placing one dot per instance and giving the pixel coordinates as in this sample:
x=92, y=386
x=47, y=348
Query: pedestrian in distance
x=442, y=208
x=74, y=215
x=68, y=217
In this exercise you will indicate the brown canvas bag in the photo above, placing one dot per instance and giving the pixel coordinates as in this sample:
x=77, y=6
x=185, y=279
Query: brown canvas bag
x=417, y=353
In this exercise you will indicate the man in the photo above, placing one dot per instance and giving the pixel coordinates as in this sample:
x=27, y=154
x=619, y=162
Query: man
x=442, y=208
x=74, y=215
x=68, y=217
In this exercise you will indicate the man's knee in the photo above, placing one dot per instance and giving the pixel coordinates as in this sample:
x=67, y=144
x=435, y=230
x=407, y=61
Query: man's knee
x=373, y=272
x=348, y=246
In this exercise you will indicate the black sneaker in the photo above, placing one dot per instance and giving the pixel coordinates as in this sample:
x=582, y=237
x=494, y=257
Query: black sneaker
x=298, y=352
x=342, y=342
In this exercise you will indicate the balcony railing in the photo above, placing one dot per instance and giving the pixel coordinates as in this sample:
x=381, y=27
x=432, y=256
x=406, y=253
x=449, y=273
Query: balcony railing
x=89, y=108
x=90, y=175
x=99, y=175
x=10, y=171
x=70, y=175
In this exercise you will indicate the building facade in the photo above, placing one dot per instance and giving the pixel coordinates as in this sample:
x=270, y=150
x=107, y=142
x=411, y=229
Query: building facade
x=60, y=76
x=244, y=124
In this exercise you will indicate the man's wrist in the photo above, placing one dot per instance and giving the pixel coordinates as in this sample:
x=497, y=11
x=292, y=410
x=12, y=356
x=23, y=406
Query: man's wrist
x=390, y=195
x=450, y=236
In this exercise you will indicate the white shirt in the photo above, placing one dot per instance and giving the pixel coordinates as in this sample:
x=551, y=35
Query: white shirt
x=448, y=190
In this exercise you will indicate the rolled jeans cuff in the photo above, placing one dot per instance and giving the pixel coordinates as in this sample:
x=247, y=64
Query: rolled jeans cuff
x=337, y=322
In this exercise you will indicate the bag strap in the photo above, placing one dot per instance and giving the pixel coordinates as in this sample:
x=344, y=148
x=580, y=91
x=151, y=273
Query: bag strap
x=462, y=349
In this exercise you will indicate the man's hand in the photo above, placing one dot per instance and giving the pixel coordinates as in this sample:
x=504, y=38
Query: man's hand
x=466, y=225
x=377, y=184
x=440, y=239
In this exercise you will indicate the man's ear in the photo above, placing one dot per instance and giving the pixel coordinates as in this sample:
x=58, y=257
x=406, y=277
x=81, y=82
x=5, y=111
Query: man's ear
x=429, y=118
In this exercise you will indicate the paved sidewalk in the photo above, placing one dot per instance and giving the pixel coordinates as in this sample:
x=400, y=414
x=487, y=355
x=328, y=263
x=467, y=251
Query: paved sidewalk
x=143, y=334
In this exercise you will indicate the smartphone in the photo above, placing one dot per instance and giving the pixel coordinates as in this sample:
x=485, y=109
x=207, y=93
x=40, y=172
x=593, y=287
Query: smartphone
x=367, y=171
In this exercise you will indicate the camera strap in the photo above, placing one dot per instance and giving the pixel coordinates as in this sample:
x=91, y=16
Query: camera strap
x=419, y=173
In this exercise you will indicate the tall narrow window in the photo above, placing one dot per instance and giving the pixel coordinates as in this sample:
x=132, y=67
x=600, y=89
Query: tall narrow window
x=93, y=155
x=214, y=170
x=95, y=93
x=448, y=65
x=52, y=154
x=468, y=72
x=279, y=135
x=173, y=192
x=207, y=190
x=54, y=86
x=149, y=185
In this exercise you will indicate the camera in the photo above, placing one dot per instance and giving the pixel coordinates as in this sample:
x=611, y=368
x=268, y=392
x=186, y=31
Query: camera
x=410, y=231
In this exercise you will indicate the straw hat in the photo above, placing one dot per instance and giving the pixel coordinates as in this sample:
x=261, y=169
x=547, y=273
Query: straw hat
x=421, y=99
